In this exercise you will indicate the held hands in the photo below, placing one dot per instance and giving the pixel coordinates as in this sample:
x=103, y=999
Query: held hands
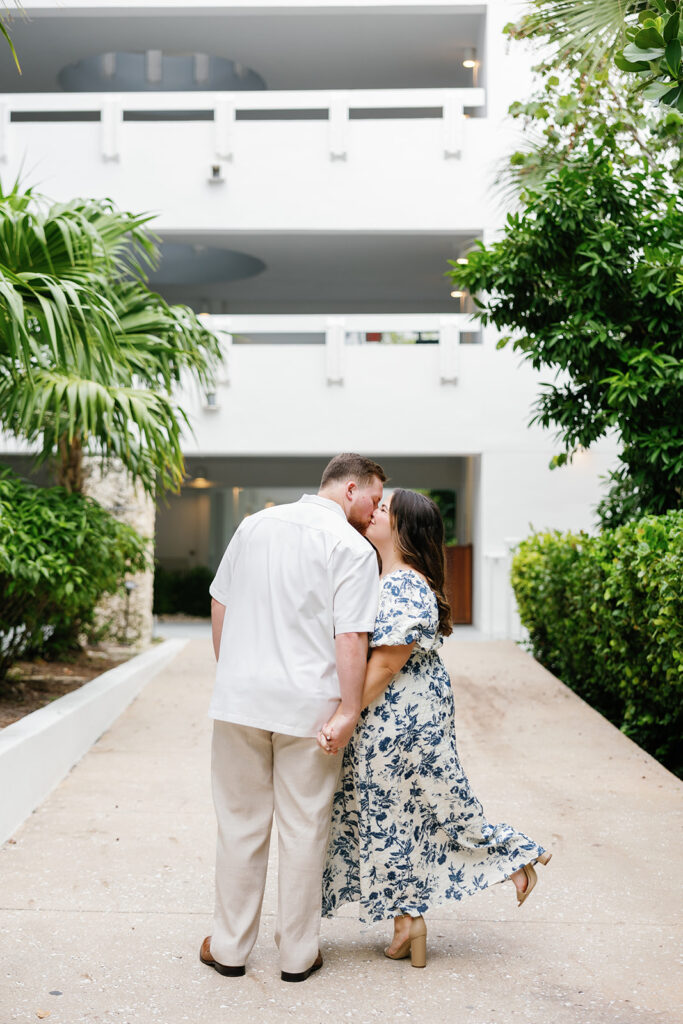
x=336, y=733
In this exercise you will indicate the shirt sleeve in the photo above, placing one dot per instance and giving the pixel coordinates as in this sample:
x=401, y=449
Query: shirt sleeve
x=220, y=586
x=407, y=614
x=356, y=591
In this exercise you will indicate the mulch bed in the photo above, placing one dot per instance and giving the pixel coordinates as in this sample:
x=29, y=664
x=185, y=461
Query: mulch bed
x=33, y=684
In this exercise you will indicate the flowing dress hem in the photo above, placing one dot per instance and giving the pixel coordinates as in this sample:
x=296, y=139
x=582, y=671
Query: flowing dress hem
x=417, y=909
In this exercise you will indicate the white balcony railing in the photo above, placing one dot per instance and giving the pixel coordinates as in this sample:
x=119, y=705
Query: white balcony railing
x=337, y=331
x=112, y=113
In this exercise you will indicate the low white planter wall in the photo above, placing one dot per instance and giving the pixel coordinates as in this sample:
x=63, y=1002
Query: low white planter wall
x=38, y=751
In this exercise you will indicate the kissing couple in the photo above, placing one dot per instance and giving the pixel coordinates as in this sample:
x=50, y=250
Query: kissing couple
x=355, y=756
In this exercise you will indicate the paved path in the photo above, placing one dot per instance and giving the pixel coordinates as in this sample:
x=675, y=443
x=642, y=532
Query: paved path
x=106, y=893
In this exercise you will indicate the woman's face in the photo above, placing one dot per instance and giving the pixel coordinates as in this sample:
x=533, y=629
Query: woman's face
x=379, y=530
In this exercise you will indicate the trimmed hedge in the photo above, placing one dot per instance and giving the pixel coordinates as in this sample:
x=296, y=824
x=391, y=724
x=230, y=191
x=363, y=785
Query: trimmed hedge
x=59, y=554
x=605, y=615
x=182, y=591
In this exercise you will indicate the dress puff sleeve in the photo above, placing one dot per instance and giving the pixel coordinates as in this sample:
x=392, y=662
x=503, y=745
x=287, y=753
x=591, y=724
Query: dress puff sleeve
x=407, y=612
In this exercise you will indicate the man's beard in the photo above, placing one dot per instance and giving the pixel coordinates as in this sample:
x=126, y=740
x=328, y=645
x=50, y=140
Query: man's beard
x=357, y=524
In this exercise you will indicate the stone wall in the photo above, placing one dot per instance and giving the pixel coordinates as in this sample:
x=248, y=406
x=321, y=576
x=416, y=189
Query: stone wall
x=130, y=614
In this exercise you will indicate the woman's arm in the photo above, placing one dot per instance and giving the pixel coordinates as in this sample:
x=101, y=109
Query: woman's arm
x=384, y=664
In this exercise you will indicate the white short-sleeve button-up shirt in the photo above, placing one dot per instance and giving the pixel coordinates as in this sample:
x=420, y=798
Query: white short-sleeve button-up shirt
x=292, y=577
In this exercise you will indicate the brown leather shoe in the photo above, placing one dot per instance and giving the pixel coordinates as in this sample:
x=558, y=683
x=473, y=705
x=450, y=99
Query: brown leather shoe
x=315, y=966
x=206, y=958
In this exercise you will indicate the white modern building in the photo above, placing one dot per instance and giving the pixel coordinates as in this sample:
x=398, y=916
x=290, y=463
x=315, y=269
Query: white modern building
x=313, y=166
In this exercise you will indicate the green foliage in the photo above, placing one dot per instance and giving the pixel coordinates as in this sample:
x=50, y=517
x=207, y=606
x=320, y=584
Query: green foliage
x=446, y=502
x=59, y=554
x=605, y=614
x=653, y=52
x=585, y=280
x=640, y=37
x=580, y=97
x=182, y=591
x=88, y=354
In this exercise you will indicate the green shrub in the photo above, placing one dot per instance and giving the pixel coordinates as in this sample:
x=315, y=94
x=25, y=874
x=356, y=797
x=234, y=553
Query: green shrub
x=605, y=614
x=182, y=591
x=59, y=554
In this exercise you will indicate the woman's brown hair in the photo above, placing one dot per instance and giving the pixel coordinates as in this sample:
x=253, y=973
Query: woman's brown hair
x=419, y=536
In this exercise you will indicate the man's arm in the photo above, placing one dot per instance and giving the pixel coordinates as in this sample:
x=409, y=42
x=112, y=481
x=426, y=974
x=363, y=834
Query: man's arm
x=351, y=651
x=217, y=616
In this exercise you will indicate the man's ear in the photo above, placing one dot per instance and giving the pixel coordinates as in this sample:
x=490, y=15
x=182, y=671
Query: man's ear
x=351, y=489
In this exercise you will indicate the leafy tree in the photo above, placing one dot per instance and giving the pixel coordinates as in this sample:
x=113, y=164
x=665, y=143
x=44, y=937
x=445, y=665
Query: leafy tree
x=89, y=355
x=585, y=280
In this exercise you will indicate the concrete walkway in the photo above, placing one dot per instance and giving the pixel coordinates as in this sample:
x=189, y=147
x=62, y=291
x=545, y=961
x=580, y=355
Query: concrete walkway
x=106, y=892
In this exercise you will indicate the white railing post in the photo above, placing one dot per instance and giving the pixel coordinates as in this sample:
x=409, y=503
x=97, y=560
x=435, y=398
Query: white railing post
x=512, y=621
x=338, y=114
x=453, y=123
x=449, y=349
x=4, y=132
x=493, y=561
x=111, y=120
x=224, y=115
x=335, y=338
x=224, y=375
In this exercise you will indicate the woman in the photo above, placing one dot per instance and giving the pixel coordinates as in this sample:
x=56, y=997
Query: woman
x=407, y=832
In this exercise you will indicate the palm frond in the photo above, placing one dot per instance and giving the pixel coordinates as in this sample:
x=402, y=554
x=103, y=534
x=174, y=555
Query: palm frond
x=140, y=426
x=593, y=27
x=8, y=40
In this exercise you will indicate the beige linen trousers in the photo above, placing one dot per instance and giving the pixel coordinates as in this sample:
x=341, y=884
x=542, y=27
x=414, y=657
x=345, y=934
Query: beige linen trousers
x=256, y=773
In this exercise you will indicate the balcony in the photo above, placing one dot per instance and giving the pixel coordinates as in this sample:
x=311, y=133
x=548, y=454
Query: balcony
x=305, y=160
x=292, y=384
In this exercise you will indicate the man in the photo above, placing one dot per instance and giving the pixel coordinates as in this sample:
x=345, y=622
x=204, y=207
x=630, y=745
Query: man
x=294, y=599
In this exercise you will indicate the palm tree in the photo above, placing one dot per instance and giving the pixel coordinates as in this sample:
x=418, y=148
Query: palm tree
x=89, y=356
x=594, y=27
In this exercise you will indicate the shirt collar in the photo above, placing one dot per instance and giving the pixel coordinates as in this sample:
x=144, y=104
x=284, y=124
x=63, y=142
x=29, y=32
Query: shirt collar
x=315, y=499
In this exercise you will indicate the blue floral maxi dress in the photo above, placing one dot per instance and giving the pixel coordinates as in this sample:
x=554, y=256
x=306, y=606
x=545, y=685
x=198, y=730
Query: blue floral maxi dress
x=407, y=832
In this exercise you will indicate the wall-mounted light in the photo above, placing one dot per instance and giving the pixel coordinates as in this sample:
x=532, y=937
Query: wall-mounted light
x=457, y=295
x=470, y=58
x=200, y=480
x=216, y=175
x=211, y=401
x=462, y=260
